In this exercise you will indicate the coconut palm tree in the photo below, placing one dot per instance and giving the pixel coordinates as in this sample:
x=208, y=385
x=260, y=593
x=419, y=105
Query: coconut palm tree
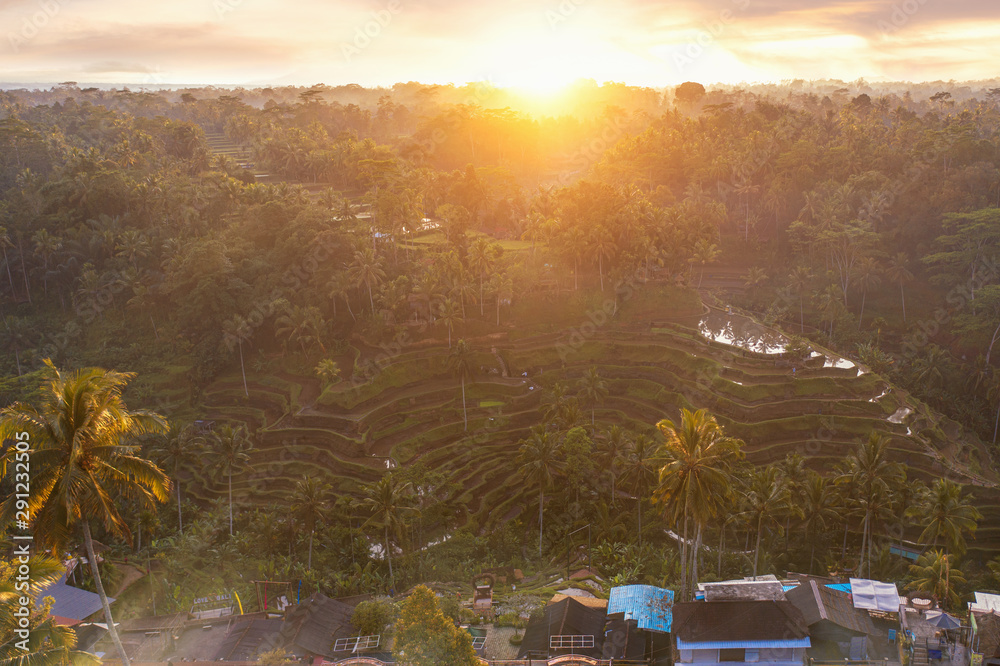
x=869, y=275
x=539, y=460
x=174, y=450
x=819, y=509
x=84, y=463
x=366, y=269
x=694, y=475
x=236, y=330
x=948, y=515
x=638, y=470
x=48, y=644
x=934, y=574
x=460, y=362
x=450, y=314
x=389, y=500
x=766, y=499
x=228, y=450
x=309, y=504
x=900, y=274
x=611, y=447
x=799, y=281
x=874, y=478
x=593, y=390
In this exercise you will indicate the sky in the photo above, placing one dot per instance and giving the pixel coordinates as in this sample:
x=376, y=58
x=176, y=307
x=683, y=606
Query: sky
x=536, y=45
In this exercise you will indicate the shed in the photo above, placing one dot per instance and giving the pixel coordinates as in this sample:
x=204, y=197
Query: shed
x=566, y=627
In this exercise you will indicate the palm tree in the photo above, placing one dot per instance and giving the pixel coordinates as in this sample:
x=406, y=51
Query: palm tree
x=450, y=315
x=5, y=242
x=766, y=499
x=83, y=462
x=868, y=275
x=900, y=274
x=174, y=450
x=593, y=390
x=874, y=479
x=48, y=644
x=482, y=255
x=819, y=509
x=948, y=516
x=639, y=470
x=309, y=503
x=697, y=457
x=799, y=280
x=933, y=574
x=540, y=462
x=237, y=330
x=301, y=324
x=460, y=361
x=228, y=451
x=611, y=448
x=704, y=253
x=366, y=269
x=388, y=500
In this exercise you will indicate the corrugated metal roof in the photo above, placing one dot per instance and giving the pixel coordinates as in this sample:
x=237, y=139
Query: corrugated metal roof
x=651, y=607
x=71, y=602
x=728, y=645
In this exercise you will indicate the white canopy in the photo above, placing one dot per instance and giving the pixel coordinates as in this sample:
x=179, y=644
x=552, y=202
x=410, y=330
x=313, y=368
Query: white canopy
x=874, y=595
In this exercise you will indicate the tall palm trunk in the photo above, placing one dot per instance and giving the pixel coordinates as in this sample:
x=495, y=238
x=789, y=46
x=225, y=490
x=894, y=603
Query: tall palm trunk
x=388, y=554
x=88, y=541
x=541, y=505
x=180, y=523
x=902, y=297
x=230, y=502
x=10, y=278
x=684, y=553
x=243, y=370
x=309, y=565
x=465, y=411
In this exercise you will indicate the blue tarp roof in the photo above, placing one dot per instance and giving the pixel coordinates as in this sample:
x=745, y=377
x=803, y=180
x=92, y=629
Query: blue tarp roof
x=843, y=587
x=728, y=645
x=71, y=602
x=651, y=607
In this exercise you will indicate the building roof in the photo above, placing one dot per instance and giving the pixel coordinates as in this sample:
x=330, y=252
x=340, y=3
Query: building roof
x=820, y=602
x=985, y=603
x=589, y=602
x=651, y=607
x=71, y=602
x=701, y=621
x=249, y=638
x=753, y=589
x=314, y=625
x=566, y=618
x=874, y=595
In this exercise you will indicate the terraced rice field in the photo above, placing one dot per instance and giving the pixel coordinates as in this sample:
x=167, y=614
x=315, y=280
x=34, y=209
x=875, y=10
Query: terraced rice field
x=412, y=410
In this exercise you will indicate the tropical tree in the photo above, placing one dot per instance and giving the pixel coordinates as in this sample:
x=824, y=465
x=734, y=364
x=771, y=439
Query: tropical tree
x=799, y=281
x=898, y=273
x=450, y=313
x=611, y=448
x=228, y=450
x=539, y=461
x=593, y=390
x=638, y=470
x=461, y=364
x=948, y=516
x=819, y=509
x=388, y=501
x=766, y=499
x=423, y=636
x=47, y=644
x=328, y=372
x=174, y=450
x=309, y=504
x=934, y=574
x=236, y=330
x=366, y=269
x=868, y=275
x=694, y=475
x=873, y=479
x=84, y=463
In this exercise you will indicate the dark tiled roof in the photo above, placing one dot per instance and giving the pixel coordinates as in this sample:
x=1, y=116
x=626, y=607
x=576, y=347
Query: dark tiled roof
x=989, y=635
x=567, y=618
x=818, y=602
x=701, y=621
x=247, y=640
x=314, y=625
